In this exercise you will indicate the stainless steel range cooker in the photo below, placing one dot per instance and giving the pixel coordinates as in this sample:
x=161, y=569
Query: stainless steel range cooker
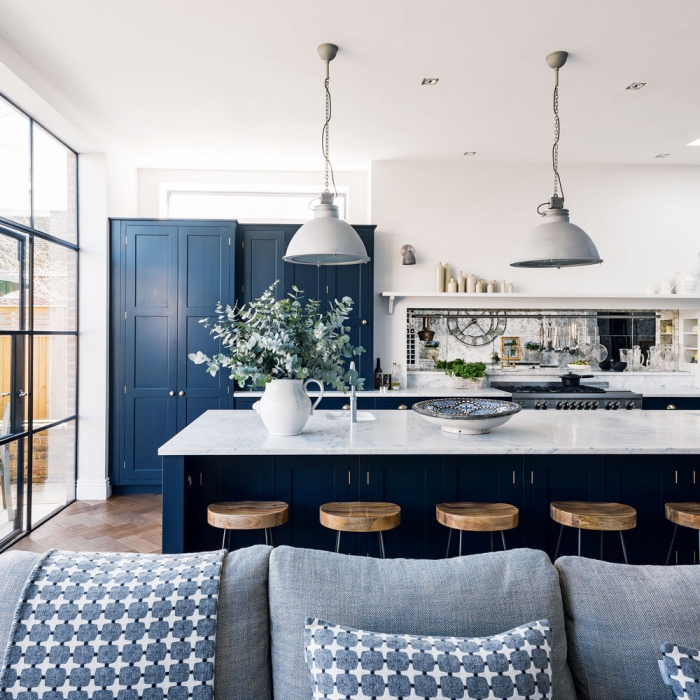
x=552, y=395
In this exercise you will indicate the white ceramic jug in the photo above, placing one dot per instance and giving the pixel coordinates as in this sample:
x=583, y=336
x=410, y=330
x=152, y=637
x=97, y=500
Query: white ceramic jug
x=285, y=406
x=687, y=282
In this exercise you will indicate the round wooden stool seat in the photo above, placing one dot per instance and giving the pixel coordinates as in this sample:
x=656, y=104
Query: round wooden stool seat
x=477, y=517
x=593, y=516
x=684, y=514
x=360, y=516
x=247, y=515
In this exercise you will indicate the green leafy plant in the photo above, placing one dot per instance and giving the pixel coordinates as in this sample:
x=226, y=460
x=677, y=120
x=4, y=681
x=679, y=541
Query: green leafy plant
x=460, y=368
x=585, y=363
x=531, y=345
x=495, y=358
x=269, y=339
x=432, y=343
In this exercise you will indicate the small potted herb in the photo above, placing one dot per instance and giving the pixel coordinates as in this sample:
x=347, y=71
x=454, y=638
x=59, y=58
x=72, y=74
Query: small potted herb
x=466, y=375
x=532, y=350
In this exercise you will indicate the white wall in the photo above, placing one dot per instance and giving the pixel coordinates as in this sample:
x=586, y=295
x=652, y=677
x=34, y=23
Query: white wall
x=645, y=221
x=150, y=181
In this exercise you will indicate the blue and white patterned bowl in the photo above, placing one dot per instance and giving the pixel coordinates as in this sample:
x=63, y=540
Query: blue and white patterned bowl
x=469, y=416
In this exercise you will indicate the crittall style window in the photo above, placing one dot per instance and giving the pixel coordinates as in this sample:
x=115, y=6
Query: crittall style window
x=38, y=322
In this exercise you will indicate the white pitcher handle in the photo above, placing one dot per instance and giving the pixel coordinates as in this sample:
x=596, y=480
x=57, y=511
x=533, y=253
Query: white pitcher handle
x=320, y=384
x=256, y=406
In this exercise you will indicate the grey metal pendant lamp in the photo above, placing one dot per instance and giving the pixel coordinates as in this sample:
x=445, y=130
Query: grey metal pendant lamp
x=556, y=242
x=326, y=239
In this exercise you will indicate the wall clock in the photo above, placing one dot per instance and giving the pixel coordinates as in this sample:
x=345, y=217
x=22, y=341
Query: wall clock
x=477, y=328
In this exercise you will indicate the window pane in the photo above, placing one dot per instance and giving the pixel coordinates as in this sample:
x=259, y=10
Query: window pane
x=55, y=284
x=53, y=469
x=10, y=519
x=263, y=206
x=55, y=180
x=14, y=164
x=55, y=368
x=10, y=273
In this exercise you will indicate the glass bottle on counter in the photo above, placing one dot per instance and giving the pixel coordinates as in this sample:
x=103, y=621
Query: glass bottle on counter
x=395, y=381
x=378, y=376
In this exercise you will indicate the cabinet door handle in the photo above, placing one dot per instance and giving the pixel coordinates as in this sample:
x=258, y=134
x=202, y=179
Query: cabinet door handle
x=403, y=407
x=346, y=407
x=172, y=393
x=364, y=323
x=182, y=393
x=670, y=407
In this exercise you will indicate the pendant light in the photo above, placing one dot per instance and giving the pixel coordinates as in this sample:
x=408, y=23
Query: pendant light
x=326, y=239
x=556, y=242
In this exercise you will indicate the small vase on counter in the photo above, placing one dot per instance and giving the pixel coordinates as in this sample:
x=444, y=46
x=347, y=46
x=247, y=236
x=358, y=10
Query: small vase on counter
x=461, y=283
x=511, y=288
x=479, y=288
x=471, y=284
x=452, y=286
x=490, y=288
x=440, y=278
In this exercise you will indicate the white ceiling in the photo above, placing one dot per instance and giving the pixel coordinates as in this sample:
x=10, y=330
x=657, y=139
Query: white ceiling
x=238, y=84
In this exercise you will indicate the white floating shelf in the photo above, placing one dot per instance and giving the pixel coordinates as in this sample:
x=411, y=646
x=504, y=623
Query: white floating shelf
x=526, y=300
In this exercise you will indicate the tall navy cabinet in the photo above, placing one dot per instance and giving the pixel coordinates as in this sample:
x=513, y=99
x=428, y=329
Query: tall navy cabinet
x=165, y=276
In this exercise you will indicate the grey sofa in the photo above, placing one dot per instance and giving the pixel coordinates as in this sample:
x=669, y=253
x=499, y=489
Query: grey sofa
x=607, y=619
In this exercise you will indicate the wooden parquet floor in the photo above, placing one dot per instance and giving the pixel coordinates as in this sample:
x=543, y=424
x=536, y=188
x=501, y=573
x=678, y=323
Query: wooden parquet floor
x=121, y=524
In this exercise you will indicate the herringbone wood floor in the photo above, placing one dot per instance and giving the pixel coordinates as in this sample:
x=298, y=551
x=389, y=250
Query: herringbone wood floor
x=121, y=524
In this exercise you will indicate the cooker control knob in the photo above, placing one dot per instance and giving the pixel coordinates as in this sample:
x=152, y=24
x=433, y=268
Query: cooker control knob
x=616, y=405
x=566, y=405
x=559, y=405
x=595, y=405
x=608, y=405
x=538, y=406
x=587, y=405
x=545, y=405
x=630, y=405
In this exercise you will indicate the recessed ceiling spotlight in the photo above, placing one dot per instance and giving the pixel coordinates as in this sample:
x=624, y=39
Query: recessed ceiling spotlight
x=694, y=143
x=469, y=153
x=430, y=81
x=662, y=155
x=635, y=86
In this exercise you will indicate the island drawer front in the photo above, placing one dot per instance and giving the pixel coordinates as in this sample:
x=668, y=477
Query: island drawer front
x=662, y=403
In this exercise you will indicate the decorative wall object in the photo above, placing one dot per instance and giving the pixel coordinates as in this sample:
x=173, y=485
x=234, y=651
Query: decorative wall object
x=510, y=348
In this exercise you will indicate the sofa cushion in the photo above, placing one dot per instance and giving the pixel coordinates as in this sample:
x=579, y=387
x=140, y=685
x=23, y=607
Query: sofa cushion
x=616, y=618
x=680, y=668
x=475, y=596
x=348, y=663
x=242, y=667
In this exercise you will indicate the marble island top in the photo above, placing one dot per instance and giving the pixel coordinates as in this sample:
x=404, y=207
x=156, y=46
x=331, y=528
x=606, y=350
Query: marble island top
x=405, y=432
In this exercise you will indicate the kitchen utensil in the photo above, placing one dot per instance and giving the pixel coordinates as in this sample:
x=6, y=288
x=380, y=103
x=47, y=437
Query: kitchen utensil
x=598, y=351
x=618, y=366
x=426, y=334
x=666, y=288
x=566, y=337
x=605, y=365
x=686, y=282
x=572, y=379
x=542, y=343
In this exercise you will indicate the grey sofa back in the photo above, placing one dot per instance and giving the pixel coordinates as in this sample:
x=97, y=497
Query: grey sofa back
x=242, y=669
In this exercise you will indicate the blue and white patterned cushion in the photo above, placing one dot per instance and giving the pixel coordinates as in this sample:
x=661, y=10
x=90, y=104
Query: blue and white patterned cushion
x=348, y=663
x=680, y=667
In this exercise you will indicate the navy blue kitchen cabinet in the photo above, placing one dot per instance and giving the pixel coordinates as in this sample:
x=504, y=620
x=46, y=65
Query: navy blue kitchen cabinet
x=662, y=403
x=165, y=277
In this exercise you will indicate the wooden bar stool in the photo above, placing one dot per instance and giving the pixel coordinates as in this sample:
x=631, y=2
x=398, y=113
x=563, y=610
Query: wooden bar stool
x=601, y=517
x=477, y=517
x=360, y=516
x=247, y=515
x=685, y=514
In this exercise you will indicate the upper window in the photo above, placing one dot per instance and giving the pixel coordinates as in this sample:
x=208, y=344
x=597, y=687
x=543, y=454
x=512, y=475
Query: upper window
x=38, y=176
x=252, y=206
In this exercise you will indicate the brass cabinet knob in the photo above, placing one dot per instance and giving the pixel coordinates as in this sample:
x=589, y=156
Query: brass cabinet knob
x=346, y=407
x=403, y=407
x=364, y=323
x=182, y=393
x=172, y=393
x=670, y=407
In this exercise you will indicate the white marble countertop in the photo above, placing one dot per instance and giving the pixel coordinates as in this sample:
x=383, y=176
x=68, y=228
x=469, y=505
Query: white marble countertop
x=405, y=432
x=428, y=392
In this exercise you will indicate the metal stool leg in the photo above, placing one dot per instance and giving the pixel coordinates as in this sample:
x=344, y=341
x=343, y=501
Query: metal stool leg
x=460, y=543
x=381, y=545
x=272, y=541
x=579, y=541
x=503, y=539
x=624, y=549
x=449, y=539
x=673, y=541
x=266, y=538
x=337, y=543
x=223, y=541
x=561, y=532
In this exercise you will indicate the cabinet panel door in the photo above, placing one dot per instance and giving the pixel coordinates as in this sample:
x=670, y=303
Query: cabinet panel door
x=306, y=483
x=563, y=478
x=644, y=482
x=682, y=403
x=150, y=370
x=203, y=280
x=483, y=479
x=413, y=483
x=310, y=279
x=262, y=261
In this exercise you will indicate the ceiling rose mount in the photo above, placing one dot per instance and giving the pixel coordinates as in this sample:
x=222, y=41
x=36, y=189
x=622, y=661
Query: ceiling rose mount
x=326, y=239
x=556, y=242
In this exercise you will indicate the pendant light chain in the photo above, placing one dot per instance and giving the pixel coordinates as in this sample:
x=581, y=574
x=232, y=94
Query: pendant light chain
x=555, y=148
x=325, y=137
